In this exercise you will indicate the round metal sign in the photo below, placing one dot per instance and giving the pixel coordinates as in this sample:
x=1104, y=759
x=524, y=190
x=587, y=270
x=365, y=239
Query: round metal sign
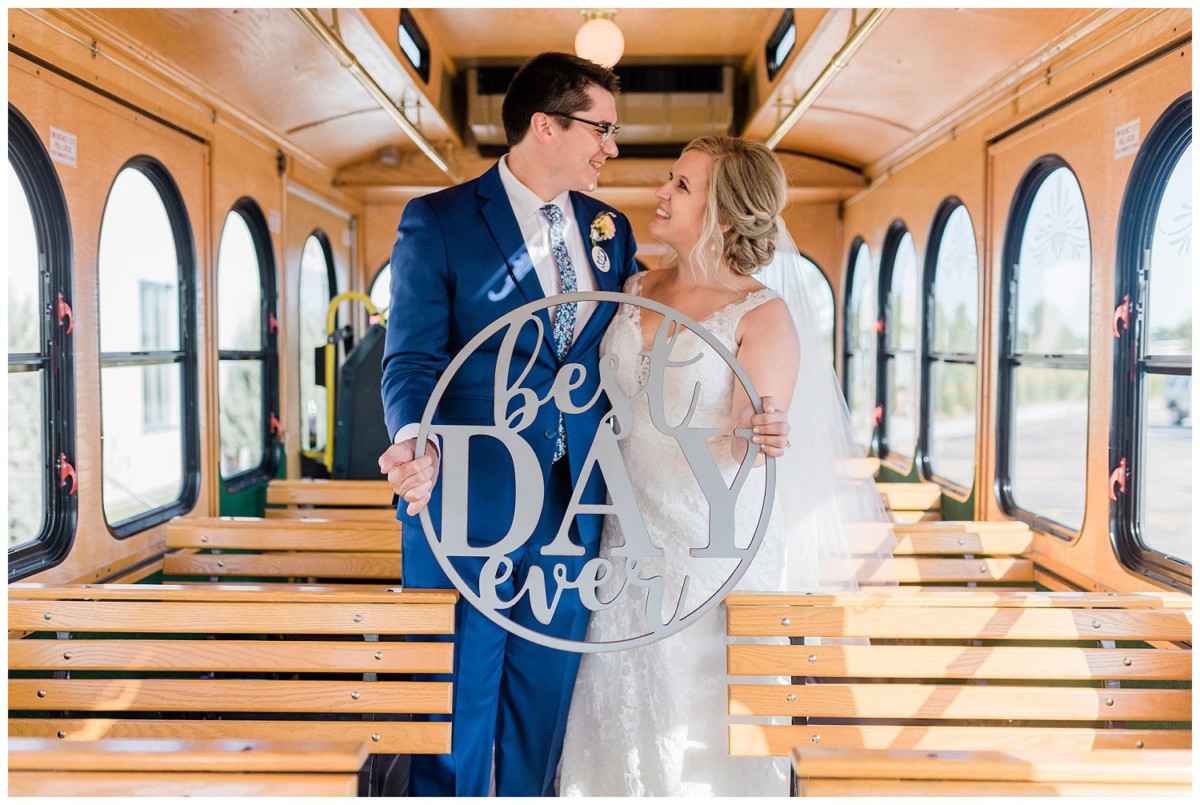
x=450, y=541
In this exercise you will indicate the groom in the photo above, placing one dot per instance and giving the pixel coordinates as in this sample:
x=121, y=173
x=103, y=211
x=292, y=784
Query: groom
x=464, y=257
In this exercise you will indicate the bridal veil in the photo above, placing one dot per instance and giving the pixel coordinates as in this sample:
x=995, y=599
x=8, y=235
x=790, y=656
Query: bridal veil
x=838, y=533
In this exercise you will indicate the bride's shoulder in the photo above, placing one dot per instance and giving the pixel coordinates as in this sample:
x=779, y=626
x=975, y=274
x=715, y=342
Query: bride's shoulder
x=638, y=283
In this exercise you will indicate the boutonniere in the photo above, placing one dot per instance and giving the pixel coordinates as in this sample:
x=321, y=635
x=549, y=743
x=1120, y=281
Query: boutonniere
x=604, y=227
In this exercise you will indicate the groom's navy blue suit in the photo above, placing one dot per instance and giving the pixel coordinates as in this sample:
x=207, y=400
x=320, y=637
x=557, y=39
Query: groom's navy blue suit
x=459, y=263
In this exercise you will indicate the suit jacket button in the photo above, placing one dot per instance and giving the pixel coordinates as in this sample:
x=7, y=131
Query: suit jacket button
x=550, y=433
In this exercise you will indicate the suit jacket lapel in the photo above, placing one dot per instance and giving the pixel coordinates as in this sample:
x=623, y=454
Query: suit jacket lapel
x=498, y=215
x=608, y=280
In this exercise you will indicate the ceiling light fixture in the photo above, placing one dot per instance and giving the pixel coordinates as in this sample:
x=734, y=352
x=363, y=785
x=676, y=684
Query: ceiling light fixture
x=599, y=39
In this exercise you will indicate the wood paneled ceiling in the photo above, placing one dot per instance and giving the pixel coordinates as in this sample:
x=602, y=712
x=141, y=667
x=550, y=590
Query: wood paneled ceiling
x=916, y=69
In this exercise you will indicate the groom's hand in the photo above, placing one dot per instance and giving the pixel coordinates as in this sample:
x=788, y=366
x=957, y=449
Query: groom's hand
x=411, y=478
x=771, y=427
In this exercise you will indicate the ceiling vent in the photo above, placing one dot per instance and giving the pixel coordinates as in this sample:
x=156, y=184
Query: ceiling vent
x=659, y=105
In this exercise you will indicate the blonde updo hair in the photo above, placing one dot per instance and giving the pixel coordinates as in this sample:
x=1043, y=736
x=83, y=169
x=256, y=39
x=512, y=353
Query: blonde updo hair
x=747, y=189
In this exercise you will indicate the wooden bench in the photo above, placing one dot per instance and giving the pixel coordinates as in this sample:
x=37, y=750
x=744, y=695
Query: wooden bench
x=207, y=661
x=920, y=773
x=912, y=502
x=997, y=671
x=330, y=499
x=287, y=549
x=113, y=767
x=964, y=553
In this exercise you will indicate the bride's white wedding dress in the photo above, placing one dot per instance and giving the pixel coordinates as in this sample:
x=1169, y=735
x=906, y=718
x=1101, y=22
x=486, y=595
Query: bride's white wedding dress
x=653, y=720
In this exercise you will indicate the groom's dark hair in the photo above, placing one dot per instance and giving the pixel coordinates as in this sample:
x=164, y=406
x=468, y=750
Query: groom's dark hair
x=553, y=83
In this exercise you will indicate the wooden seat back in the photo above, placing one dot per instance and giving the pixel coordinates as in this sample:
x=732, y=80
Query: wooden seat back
x=989, y=671
x=971, y=553
x=224, y=547
x=330, y=499
x=258, y=662
x=137, y=767
x=825, y=772
x=912, y=502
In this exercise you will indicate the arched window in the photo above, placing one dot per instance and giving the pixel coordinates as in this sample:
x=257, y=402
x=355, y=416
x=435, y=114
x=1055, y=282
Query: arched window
x=858, y=372
x=147, y=350
x=318, y=285
x=1151, y=462
x=246, y=326
x=41, y=482
x=899, y=298
x=819, y=293
x=948, y=380
x=381, y=288
x=1043, y=379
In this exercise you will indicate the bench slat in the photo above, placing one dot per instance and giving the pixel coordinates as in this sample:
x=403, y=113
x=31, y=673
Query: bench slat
x=229, y=696
x=778, y=740
x=951, y=543
x=959, y=662
x=252, y=533
x=286, y=565
x=917, y=516
x=181, y=784
x=45, y=754
x=971, y=788
x=385, y=737
x=892, y=597
x=324, y=514
x=320, y=492
x=960, y=702
x=983, y=528
x=965, y=622
x=910, y=497
x=230, y=655
x=229, y=617
x=916, y=570
x=1164, y=766
x=207, y=591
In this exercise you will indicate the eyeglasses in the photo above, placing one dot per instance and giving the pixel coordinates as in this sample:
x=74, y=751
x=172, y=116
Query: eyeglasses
x=606, y=130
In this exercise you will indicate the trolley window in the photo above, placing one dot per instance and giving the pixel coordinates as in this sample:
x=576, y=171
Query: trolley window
x=1151, y=463
x=948, y=378
x=381, y=288
x=858, y=368
x=248, y=387
x=1044, y=351
x=899, y=298
x=41, y=482
x=820, y=293
x=318, y=285
x=147, y=360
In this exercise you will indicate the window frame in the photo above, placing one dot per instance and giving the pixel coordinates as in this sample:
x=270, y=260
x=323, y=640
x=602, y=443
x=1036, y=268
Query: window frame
x=833, y=299
x=1007, y=359
x=929, y=357
x=883, y=354
x=52, y=225
x=786, y=22
x=1152, y=169
x=409, y=25
x=848, y=337
x=331, y=284
x=185, y=356
x=256, y=223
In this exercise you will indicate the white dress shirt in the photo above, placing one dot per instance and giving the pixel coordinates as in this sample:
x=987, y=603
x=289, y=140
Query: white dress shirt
x=535, y=229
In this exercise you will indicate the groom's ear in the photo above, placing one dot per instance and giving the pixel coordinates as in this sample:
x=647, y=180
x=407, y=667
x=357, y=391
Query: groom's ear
x=541, y=126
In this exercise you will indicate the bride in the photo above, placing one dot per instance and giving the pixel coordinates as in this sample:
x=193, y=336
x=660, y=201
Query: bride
x=653, y=720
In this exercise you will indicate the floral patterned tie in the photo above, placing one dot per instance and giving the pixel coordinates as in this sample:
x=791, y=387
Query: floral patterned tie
x=564, y=317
